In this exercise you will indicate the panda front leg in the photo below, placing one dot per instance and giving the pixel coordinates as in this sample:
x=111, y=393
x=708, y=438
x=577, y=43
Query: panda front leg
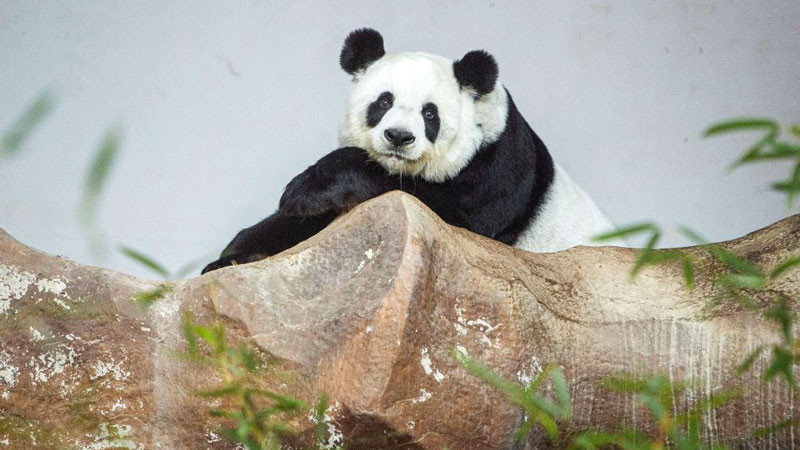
x=272, y=235
x=338, y=182
x=346, y=177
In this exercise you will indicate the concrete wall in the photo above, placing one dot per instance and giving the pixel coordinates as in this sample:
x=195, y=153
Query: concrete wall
x=221, y=103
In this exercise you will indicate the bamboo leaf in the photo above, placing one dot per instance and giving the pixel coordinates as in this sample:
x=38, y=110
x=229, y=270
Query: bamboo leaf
x=790, y=186
x=96, y=178
x=784, y=266
x=750, y=360
x=741, y=125
x=626, y=231
x=688, y=272
x=782, y=315
x=186, y=269
x=737, y=263
x=144, y=260
x=646, y=255
x=782, y=362
x=524, y=429
x=782, y=150
x=766, y=431
x=14, y=138
x=221, y=392
x=692, y=235
x=146, y=299
x=562, y=393
x=746, y=281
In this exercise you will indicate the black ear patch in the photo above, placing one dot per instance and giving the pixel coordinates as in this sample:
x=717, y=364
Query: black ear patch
x=361, y=48
x=477, y=70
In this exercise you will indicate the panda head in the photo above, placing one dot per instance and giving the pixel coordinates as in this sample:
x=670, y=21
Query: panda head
x=417, y=113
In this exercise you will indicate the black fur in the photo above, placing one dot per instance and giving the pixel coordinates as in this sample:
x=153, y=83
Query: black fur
x=431, y=125
x=272, y=235
x=497, y=194
x=476, y=70
x=376, y=111
x=361, y=48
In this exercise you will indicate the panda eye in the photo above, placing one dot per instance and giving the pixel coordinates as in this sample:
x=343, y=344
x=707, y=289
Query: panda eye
x=386, y=103
x=428, y=114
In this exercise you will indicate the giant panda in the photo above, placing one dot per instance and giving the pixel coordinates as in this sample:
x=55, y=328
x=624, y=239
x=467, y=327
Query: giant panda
x=445, y=131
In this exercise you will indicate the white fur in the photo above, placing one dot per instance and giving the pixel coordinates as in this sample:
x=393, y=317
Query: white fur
x=567, y=217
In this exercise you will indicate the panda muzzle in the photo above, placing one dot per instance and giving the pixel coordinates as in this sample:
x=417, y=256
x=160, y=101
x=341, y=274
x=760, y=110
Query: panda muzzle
x=399, y=137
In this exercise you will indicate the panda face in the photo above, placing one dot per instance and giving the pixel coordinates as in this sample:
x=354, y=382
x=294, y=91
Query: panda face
x=412, y=114
x=405, y=111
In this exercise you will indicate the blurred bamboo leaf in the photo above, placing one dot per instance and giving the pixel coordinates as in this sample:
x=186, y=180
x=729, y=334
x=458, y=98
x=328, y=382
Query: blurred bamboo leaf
x=626, y=231
x=258, y=418
x=784, y=266
x=186, y=269
x=145, y=299
x=14, y=138
x=750, y=360
x=735, y=262
x=766, y=431
x=783, y=316
x=539, y=409
x=791, y=186
x=657, y=393
x=741, y=125
x=144, y=260
x=320, y=410
x=767, y=148
x=782, y=364
x=745, y=281
x=646, y=254
x=688, y=271
x=101, y=165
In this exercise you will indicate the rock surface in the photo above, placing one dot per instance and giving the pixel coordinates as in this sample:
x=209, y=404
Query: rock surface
x=370, y=311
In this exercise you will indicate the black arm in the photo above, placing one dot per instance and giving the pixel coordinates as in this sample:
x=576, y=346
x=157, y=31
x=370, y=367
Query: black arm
x=272, y=235
x=335, y=184
x=338, y=182
x=346, y=177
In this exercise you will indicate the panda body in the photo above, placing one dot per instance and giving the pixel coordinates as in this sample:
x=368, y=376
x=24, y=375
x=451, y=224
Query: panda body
x=444, y=131
x=567, y=217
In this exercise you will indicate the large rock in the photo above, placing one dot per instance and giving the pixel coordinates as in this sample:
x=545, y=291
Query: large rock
x=369, y=311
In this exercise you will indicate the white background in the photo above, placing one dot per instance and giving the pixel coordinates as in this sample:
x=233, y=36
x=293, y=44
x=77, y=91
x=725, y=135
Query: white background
x=222, y=103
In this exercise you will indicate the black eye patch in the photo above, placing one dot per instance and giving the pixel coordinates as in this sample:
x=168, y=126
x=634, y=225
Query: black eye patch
x=430, y=114
x=377, y=109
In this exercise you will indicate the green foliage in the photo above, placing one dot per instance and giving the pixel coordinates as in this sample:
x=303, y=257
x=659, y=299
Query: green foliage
x=649, y=256
x=144, y=260
x=96, y=177
x=259, y=418
x=656, y=393
x=766, y=149
x=739, y=278
x=14, y=138
x=538, y=408
x=145, y=299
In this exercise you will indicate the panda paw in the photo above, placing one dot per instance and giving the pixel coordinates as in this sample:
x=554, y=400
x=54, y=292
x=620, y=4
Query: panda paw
x=306, y=195
x=230, y=260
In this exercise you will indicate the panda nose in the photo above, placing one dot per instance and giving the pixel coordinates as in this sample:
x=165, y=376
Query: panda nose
x=398, y=137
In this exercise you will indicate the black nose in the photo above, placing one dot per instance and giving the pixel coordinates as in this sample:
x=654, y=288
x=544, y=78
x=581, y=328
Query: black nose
x=398, y=137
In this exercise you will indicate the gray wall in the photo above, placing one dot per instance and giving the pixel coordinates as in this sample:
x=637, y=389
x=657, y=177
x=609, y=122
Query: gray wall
x=221, y=105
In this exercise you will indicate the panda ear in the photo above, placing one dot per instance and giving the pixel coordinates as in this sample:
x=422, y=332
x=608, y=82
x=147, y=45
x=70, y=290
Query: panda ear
x=361, y=48
x=476, y=70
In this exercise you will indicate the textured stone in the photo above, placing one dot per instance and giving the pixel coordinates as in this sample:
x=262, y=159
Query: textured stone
x=370, y=311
